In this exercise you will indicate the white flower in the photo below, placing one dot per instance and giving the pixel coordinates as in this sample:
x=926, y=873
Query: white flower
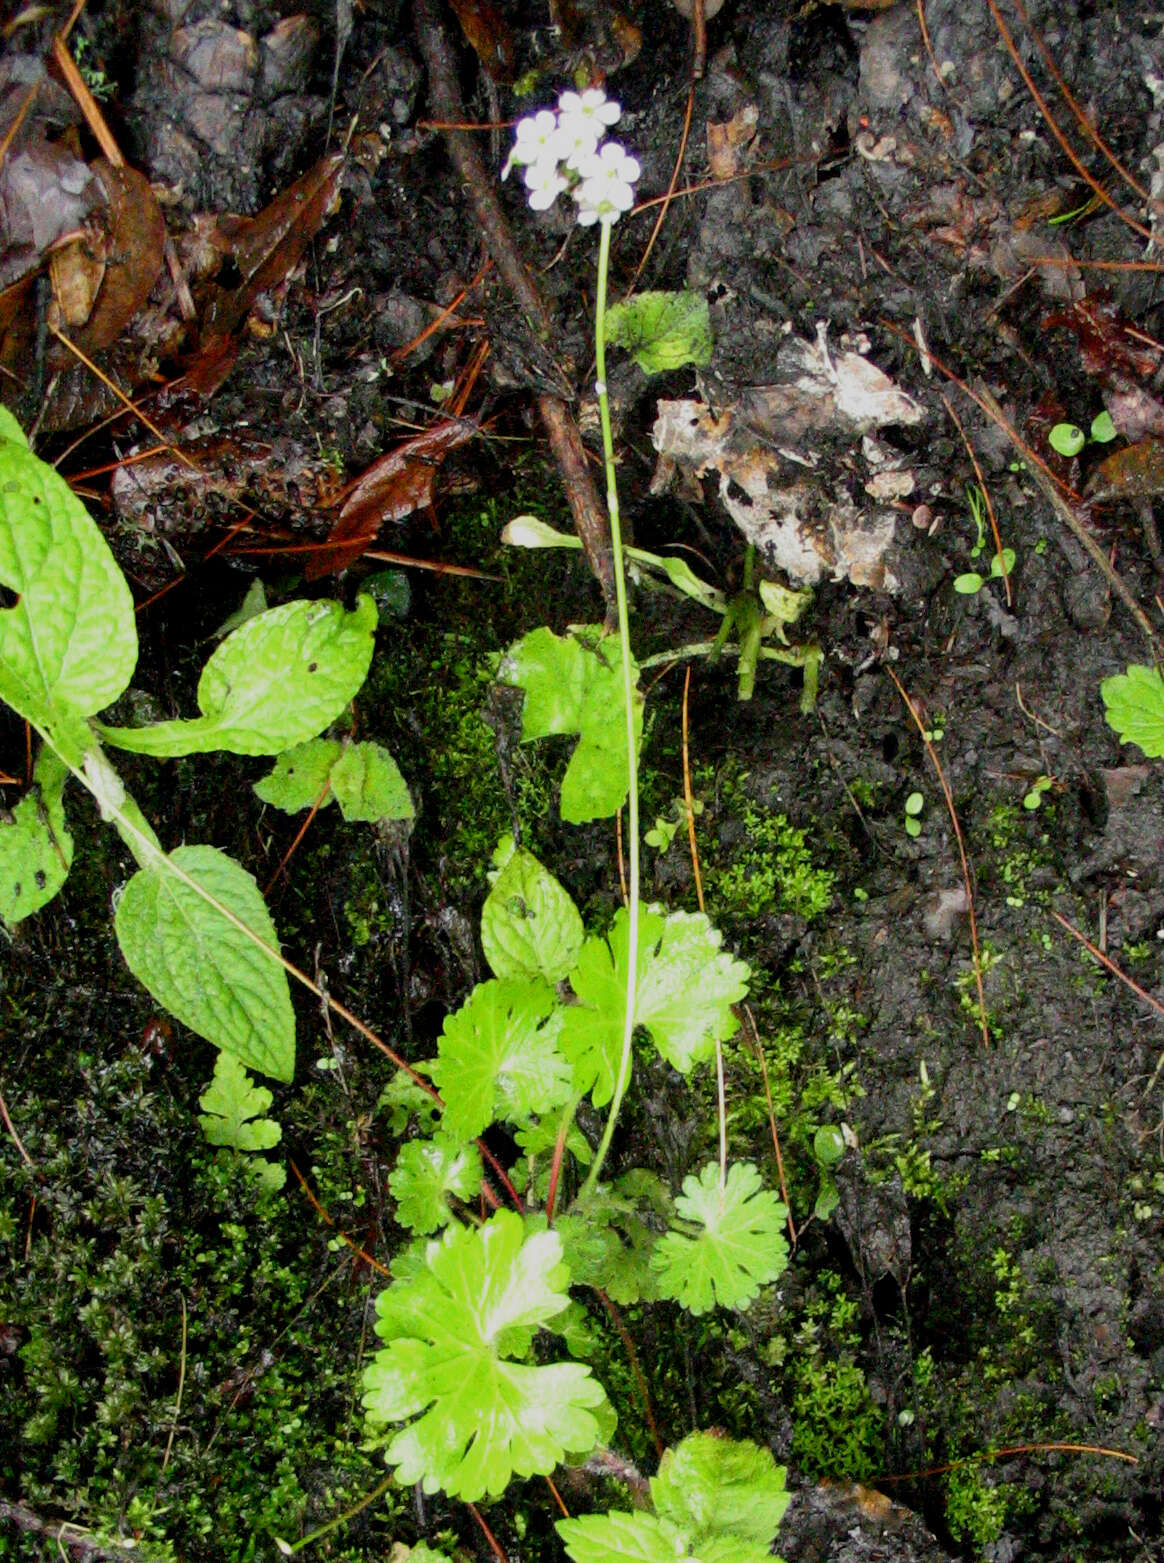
x=591, y=108
x=545, y=184
x=535, y=141
x=577, y=140
x=607, y=187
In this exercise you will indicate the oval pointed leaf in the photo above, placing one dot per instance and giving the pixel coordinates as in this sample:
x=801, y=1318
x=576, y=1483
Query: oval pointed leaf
x=200, y=966
x=276, y=681
x=529, y=925
x=70, y=641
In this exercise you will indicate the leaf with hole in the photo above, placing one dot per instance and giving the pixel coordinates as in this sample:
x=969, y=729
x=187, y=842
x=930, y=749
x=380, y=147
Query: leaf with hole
x=180, y=938
x=68, y=645
x=36, y=849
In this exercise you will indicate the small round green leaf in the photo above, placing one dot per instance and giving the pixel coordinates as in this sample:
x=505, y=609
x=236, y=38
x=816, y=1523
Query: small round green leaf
x=1103, y=430
x=970, y=583
x=1067, y=438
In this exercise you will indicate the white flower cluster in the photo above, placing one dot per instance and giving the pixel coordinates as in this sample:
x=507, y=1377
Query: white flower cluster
x=566, y=151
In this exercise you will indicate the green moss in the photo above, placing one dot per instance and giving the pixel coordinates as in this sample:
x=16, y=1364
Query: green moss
x=771, y=868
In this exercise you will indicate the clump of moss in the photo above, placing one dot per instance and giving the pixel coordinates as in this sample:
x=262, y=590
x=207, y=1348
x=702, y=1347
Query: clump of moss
x=772, y=869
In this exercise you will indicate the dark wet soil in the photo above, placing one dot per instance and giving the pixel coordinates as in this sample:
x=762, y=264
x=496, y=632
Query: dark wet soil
x=991, y=1281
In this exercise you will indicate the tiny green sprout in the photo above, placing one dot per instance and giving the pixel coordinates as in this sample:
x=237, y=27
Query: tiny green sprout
x=914, y=805
x=1103, y=430
x=1034, y=795
x=976, y=500
x=1068, y=439
x=969, y=584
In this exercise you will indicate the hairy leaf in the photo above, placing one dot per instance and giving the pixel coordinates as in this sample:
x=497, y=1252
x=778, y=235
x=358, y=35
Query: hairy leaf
x=368, y=785
x=476, y=1418
x=686, y=988
x=1135, y=707
x=617, y=1536
x=200, y=966
x=234, y=1108
x=275, y=682
x=710, y=1486
x=36, y=849
x=69, y=644
x=499, y=1057
x=736, y=1245
x=662, y=330
x=299, y=776
x=574, y=685
x=529, y=925
x=426, y=1172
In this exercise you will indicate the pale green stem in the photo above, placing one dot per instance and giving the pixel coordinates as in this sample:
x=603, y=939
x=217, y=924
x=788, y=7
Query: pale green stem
x=631, y=839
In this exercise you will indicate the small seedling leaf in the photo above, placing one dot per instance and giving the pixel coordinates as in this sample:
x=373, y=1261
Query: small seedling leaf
x=275, y=682
x=425, y=1174
x=368, y=785
x=1007, y=557
x=300, y=775
x=499, y=1057
x=529, y=925
x=1103, y=430
x=189, y=954
x=736, y=1247
x=1067, y=439
x=68, y=645
x=574, y=684
x=36, y=849
x=234, y=1109
x=475, y=1417
x=662, y=330
x=686, y=988
x=714, y=1486
x=970, y=583
x=1135, y=707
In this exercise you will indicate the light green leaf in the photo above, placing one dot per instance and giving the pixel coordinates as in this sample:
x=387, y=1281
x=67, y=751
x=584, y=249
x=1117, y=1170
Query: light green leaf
x=368, y=785
x=475, y=1417
x=299, y=776
x=254, y=603
x=69, y=644
x=662, y=330
x=404, y=1100
x=608, y=1243
x=278, y=680
x=233, y=1109
x=736, y=1245
x=36, y=849
x=574, y=685
x=617, y=1536
x=686, y=988
x=529, y=925
x=1103, y=429
x=709, y=1485
x=425, y=1174
x=1067, y=439
x=1135, y=707
x=201, y=967
x=499, y=1057
x=10, y=429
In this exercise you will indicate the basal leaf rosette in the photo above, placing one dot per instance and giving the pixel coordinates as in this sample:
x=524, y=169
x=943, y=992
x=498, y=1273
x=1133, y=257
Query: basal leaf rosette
x=475, y=1417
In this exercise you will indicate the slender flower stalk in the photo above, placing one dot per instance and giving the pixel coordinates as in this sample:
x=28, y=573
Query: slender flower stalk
x=565, y=151
x=628, y=699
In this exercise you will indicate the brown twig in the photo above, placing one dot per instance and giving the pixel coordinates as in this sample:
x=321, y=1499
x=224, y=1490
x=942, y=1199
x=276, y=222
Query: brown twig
x=561, y=428
x=1088, y=178
x=1106, y=961
x=965, y=861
